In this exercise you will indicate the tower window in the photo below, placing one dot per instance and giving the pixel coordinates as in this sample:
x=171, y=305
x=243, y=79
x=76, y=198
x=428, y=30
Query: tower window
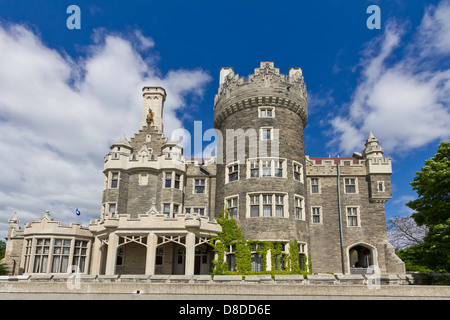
x=266, y=112
x=177, y=181
x=166, y=209
x=266, y=168
x=168, y=180
x=266, y=205
x=266, y=133
x=299, y=208
x=233, y=172
x=298, y=171
x=114, y=180
x=380, y=186
x=254, y=169
x=316, y=215
x=112, y=208
x=232, y=207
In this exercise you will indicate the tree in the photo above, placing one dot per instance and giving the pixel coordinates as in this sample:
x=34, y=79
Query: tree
x=3, y=268
x=403, y=232
x=432, y=209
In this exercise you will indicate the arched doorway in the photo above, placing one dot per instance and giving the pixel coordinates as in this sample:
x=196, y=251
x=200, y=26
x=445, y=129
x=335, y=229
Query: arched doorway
x=361, y=258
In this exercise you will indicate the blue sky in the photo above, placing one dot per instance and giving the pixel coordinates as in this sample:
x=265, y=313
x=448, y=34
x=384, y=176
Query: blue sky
x=67, y=95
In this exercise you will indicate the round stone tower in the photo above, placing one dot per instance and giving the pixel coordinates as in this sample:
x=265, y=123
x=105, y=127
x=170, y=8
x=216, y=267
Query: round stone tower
x=261, y=171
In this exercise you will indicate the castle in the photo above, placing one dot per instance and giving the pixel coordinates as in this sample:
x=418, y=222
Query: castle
x=159, y=207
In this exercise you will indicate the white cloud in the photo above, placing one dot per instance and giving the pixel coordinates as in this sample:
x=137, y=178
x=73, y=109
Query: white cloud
x=434, y=32
x=60, y=114
x=404, y=103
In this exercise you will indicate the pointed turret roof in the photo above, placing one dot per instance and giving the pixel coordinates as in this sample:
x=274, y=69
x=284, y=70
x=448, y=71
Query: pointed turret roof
x=123, y=142
x=372, y=149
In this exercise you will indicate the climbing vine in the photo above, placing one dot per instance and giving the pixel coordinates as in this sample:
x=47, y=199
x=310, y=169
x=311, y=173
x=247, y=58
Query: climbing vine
x=231, y=239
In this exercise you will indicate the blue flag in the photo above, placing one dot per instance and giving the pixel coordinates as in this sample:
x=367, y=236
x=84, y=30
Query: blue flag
x=78, y=212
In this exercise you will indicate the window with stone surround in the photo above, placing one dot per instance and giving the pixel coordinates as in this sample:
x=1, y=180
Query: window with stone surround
x=79, y=255
x=199, y=185
x=351, y=185
x=315, y=185
x=112, y=208
x=195, y=210
x=166, y=209
x=232, y=172
x=61, y=251
x=316, y=213
x=266, y=133
x=353, y=216
x=231, y=204
x=42, y=251
x=297, y=168
x=380, y=186
x=302, y=255
x=266, y=112
x=52, y=255
x=172, y=180
x=256, y=257
x=299, y=205
x=267, y=205
x=266, y=168
x=114, y=178
x=171, y=209
x=177, y=181
x=168, y=180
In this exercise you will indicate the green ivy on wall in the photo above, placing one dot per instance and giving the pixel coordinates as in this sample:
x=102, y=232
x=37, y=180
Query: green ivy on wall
x=232, y=237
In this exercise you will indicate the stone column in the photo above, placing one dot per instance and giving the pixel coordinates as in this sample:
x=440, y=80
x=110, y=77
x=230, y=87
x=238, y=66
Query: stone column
x=269, y=260
x=152, y=241
x=96, y=257
x=113, y=241
x=190, y=254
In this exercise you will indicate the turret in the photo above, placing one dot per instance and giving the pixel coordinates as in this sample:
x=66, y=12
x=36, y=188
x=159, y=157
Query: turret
x=378, y=169
x=260, y=176
x=152, y=113
x=373, y=149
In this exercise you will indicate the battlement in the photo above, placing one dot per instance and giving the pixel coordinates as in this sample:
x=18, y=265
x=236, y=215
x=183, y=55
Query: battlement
x=379, y=165
x=50, y=226
x=265, y=87
x=144, y=159
x=153, y=219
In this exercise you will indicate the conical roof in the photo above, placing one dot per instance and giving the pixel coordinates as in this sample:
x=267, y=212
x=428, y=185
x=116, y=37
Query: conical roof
x=123, y=142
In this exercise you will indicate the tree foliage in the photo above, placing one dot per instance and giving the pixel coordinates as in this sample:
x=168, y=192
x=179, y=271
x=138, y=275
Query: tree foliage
x=432, y=209
x=3, y=268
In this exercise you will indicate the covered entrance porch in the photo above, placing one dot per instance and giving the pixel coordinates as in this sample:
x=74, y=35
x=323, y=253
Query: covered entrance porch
x=154, y=253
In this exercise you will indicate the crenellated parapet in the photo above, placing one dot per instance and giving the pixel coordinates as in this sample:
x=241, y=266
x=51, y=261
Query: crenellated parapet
x=265, y=87
x=46, y=224
x=154, y=220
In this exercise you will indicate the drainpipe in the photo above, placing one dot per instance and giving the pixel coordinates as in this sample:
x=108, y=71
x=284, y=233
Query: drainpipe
x=209, y=189
x=340, y=217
